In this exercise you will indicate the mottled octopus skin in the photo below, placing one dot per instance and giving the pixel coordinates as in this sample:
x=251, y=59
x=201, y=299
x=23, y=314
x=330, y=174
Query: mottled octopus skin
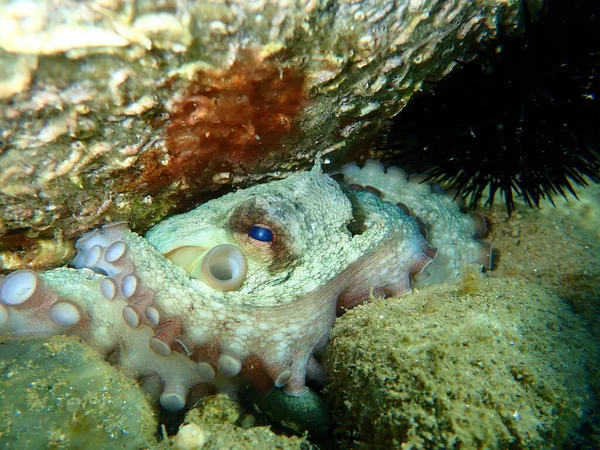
x=334, y=247
x=455, y=235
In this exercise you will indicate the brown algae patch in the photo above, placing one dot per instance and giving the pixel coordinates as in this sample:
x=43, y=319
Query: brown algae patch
x=485, y=363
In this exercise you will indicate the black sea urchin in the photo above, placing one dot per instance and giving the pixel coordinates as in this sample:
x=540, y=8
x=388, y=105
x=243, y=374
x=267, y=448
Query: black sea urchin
x=523, y=118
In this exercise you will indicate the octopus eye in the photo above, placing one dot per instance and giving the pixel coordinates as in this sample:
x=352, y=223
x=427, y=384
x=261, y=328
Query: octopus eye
x=261, y=234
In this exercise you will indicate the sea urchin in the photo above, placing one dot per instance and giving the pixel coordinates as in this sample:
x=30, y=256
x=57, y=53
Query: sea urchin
x=522, y=118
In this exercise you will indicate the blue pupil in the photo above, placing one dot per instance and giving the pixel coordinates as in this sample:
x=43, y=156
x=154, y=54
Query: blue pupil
x=260, y=233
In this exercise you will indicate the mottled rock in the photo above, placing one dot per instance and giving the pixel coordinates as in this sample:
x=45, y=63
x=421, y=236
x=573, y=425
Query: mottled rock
x=117, y=110
x=213, y=425
x=57, y=393
x=488, y=363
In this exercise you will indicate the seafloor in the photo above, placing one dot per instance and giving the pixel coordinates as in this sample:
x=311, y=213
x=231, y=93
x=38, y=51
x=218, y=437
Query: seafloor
x=507, y=359
x=556, y=247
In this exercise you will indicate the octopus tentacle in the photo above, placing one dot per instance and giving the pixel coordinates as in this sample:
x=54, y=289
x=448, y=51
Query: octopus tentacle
x=246, y=287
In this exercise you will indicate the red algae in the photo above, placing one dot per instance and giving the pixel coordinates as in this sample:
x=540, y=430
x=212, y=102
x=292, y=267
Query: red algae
x=226, y=121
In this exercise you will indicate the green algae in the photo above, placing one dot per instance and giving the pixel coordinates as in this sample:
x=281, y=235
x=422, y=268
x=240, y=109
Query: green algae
x=57, y=393
x=487, y=363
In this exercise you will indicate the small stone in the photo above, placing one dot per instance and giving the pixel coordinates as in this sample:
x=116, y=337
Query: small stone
x=304, y=413
x=190, y=437
x=515, y=231
x=247, y=421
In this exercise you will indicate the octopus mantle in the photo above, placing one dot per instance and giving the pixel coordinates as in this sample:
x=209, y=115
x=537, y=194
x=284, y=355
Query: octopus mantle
x=245, y=287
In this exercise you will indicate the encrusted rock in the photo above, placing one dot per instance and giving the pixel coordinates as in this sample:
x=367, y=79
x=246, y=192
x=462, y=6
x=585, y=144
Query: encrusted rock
x=487, y=363
x=113, y=111
x=57, y=393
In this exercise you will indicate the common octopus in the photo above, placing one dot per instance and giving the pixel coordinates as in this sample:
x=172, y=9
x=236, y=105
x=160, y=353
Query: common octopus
x=246, y=287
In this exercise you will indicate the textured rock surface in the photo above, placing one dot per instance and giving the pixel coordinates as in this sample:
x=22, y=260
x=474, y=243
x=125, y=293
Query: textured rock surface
x=99, y=97
x=57, y=393
x=488, y=363
x=216, y=422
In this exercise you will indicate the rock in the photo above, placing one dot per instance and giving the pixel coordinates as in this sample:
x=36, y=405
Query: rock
x=306, y=413
x=213, y=423
x=488, y=363
x=115, y=112
x=57, y=393
x=190, y=437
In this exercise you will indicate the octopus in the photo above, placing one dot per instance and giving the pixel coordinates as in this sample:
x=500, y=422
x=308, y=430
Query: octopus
x=245, y=288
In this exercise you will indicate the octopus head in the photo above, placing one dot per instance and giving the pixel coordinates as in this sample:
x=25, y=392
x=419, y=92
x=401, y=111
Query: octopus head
x=259, y=236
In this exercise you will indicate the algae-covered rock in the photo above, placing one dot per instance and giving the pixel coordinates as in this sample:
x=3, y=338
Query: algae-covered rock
x=211, y=425
x=113, y=110
x=57, y=393
x=488, y=363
